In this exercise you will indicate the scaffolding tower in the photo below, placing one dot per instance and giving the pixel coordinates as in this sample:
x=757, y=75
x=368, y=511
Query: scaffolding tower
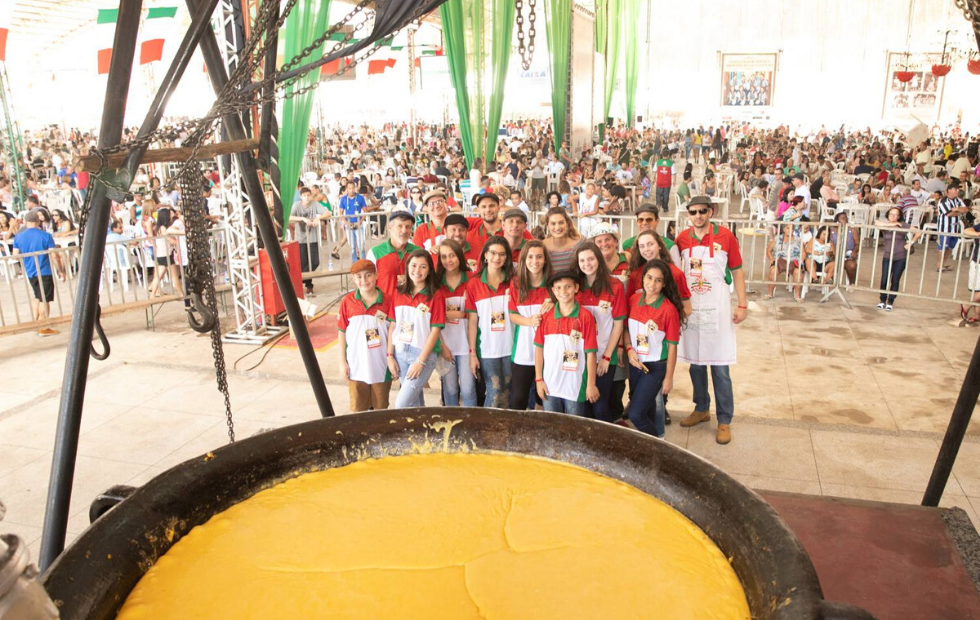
x=246, y=290
x=13, y=143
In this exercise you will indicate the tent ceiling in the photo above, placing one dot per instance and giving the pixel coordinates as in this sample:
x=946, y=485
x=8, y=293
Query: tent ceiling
x=39, y=25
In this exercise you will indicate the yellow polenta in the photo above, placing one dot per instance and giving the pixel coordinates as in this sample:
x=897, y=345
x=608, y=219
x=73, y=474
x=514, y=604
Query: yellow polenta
x=444, y=536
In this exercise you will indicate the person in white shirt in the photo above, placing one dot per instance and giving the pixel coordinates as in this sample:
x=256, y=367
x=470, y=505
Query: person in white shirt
x=517, y=202
x=920, y=195
x=801, y=190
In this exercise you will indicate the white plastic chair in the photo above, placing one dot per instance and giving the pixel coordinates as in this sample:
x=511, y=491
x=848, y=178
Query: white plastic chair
x=553, y=180
x=118, y=263
x=744, y=199
x=757, y=208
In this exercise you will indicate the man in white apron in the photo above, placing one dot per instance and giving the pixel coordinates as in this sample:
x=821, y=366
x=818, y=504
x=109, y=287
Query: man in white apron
x=711, y=261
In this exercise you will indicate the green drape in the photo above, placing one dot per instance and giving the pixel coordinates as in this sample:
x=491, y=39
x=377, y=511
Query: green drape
x=613, y=23
x=631, y=28
x=472, y=29
x=305, y=22
x=558, y=22
x=451, y=14
x=600, y=26
x=503, y=31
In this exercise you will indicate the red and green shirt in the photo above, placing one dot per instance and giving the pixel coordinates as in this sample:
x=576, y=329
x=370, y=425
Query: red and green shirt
x=606, y=309
x=523, y=349
x=428, y=237
x=415, y=316
x=720, y=240
x=366, y=334
x=391, y=265
x=652, y=327
x=494, y=334
x=566, y=342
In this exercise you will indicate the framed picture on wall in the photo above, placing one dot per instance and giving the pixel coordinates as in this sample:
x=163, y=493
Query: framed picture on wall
x=747, y=80
x=922, y=96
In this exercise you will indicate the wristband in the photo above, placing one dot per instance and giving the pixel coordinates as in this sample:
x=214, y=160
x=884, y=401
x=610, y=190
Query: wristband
x=628, y=348
x=472, y=351
x=538, y=380
x=391, y=355
x=419, y=362
x=606, y=358
x=743, y=307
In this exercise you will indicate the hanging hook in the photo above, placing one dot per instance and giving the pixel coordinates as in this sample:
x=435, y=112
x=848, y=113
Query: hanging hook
x=206, y=324
x=102, y=337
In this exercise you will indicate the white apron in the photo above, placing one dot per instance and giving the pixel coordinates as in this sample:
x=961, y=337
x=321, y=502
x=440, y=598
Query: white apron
x=709, y=337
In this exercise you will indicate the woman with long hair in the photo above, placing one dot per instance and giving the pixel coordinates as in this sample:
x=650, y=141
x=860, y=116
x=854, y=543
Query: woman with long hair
x=486, y=297
x=605, y=298
x=650, y=245
x=529, y=300
x=459, y=384
x=654, y=323
x=61, y=224
x=164, y=255
x=419, y=314
x=561, y=237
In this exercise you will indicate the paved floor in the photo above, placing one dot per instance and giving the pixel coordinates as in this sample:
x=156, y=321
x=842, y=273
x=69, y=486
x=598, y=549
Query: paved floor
x=829, y=400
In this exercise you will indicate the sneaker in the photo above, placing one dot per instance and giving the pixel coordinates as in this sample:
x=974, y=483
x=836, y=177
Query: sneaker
x=880, y=306
x=888, y=308
x=46, y=331
x=696, y=417
x=724, y=435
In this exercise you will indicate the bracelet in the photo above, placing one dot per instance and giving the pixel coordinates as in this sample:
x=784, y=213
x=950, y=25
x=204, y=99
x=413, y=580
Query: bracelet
x=538, y=380
x=606, y=358
x=743, y=307
x=472, y=351
x=391, y=355
x=419, y=362
x=628, y=348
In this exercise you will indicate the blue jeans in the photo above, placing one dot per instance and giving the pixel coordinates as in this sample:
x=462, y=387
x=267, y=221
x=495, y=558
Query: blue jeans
x=356, y=247
x=663, y=197
x=563, y=405
x=496, y=374
x=600, y=408
x=459, y=383
x=643, y=410
x=410, y=394
x=897, y=269
x=722, y=381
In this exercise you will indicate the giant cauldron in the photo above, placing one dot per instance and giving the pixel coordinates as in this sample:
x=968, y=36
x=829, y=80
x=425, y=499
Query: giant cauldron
x=93, y=577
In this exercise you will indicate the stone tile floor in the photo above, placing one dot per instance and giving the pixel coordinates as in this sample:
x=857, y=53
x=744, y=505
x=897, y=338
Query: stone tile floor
x=829, y=400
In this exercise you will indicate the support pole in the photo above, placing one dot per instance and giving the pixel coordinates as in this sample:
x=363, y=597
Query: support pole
x=90, y=273
x=958, y=423
x=87, y=296
x=263, y=220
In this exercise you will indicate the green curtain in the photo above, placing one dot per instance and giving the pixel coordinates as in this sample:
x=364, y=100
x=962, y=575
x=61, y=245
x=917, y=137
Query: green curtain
x=502, y=33
x=451, y=14
x=613, y=23
x=600, y=26
x=558, y=22
x=305, y=22
x=470, y=36
x=631, y=26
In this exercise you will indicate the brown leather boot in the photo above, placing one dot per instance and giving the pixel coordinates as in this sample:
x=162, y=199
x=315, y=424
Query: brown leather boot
x=724, y=435
x=696, y=418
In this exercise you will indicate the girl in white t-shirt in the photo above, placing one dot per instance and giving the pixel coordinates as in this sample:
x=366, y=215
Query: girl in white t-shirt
x=458, y=384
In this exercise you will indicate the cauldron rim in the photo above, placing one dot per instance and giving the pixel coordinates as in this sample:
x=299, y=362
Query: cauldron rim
x=92, y=578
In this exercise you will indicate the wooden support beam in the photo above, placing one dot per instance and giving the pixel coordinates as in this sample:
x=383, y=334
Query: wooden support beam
x=90, y=163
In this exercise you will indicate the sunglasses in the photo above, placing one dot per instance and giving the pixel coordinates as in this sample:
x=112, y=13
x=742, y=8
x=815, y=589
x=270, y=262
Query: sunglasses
x=698, y=211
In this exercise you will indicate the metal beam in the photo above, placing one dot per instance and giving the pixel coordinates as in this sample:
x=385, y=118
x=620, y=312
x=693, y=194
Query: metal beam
x=263, y=220
x=958, y=423
x=87, y=297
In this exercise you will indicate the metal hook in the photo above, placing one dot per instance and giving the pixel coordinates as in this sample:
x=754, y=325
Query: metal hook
x=207, y=322
x=102, y=337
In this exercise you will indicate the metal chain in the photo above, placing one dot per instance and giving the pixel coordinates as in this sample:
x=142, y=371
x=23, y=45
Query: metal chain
x=526, y=52
x=200, y=271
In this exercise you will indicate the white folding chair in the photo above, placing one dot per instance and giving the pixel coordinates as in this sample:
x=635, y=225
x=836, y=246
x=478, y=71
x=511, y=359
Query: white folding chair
x=757, y=208
x=553, y=180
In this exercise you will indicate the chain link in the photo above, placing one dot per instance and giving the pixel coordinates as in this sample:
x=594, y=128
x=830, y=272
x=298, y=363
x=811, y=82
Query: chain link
x=526, y=51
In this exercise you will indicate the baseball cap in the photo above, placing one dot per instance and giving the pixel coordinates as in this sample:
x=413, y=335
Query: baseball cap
x=362, y=265
x=515, y=213
x=489, y=195
x=648, y=208
x=456, y=219
x=401, y=214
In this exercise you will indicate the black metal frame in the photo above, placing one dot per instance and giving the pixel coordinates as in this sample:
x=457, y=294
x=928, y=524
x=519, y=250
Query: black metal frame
x=87, y=300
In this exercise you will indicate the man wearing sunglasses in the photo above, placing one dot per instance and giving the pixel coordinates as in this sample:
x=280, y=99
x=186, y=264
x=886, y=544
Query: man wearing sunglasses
x=711, y=261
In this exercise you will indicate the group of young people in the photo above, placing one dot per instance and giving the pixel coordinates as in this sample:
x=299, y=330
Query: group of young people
x=509, y=321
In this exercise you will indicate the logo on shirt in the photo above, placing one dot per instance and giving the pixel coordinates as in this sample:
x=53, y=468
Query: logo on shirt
x=605, y=306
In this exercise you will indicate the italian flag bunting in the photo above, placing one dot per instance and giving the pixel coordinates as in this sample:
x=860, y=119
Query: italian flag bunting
x=157, y=21
x=6, y=18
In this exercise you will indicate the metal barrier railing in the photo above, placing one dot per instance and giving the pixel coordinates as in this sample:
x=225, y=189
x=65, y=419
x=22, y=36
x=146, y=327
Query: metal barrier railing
x=132, y=276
